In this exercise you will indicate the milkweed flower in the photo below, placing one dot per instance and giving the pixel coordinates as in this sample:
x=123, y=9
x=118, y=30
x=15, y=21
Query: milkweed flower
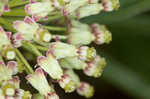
x=110, y=5
x=4, y=6
x=29, y=30
x=95, y=67
x=61, y=50
x=52, y=67
x=43, y=87
x=7, y=71
x=72, y=63
x=80, y=34
x=67, y=83
x=97, y=33
x=90, y=9
x=102, y=34
x=82, y=88
x=85, y=90
x=86, y=53
x=73, y=75
x=6, y=46
x=72, y=6
x=11, y=89
x=39, y=10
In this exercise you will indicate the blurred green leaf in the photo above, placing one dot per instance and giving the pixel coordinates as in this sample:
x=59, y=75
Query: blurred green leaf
x=122, y=77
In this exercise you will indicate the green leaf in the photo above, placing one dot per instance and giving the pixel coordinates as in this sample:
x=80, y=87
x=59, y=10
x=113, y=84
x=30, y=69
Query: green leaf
x=122, y=77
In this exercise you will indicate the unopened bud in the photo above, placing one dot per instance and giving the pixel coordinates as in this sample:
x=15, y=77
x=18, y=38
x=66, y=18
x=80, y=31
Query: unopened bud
x=85, y=90
x=102, y=34
x=95, y=67
x=67, y=83
x=86, y=53
x=110, y=5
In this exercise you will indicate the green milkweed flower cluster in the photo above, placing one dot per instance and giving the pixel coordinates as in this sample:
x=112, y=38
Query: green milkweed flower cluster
x=58, y=50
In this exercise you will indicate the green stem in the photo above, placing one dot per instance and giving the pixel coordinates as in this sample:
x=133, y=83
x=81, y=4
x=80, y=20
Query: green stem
x=7, y=25
x=32, y=48
x=41, y=48
x=42, y=43
x=16, y=3
x=28, y=68
x=16, y=13
x=61, y=37
x=54, y=28
x=51, y=18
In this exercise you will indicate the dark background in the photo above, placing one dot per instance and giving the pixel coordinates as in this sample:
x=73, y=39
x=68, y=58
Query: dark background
x=127, y=75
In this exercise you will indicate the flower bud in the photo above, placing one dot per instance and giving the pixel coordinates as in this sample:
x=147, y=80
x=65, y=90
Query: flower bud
x=110, y=5
x=95, y=67
x=50, y=65
x=39, y=9
x=62, y=50
x=80, y=34
x=73, y=76
x=72, y=63
x=39, y=82
x=67, y=83
x=90, y=9
x=85, y=90
x=86, y=53
x=102, y=34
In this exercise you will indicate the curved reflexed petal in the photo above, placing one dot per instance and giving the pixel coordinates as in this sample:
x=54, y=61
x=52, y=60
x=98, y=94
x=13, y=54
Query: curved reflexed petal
x=39, y=82
x=50, y=65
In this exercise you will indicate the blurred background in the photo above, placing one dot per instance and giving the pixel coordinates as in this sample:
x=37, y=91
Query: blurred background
x=127, y=75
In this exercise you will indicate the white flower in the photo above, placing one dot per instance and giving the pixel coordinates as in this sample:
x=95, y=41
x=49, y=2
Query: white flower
x=39, y=9
x=90, y=9
x=80, y=34
x=39, y=82
x=62, y=50
x=50, y=65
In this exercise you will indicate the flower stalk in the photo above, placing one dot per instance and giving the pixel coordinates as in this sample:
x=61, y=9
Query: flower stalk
x=51, y=28
x=28, y=68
